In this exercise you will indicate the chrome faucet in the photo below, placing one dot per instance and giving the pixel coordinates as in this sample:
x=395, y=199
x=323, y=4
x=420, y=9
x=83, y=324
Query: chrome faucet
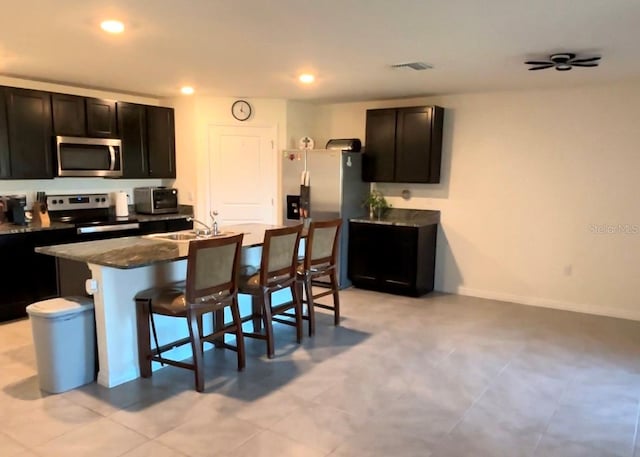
x=200, y=232
x=214, y=223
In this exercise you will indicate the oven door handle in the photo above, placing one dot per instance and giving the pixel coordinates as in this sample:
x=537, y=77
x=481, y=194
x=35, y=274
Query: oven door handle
x=107, y=228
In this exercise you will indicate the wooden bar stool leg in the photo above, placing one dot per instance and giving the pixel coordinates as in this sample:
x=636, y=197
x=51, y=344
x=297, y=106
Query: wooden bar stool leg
x=336, y=298
x=196, y=346
x=310, y=307
x=268, y=324
x=256, y=313
x=144, y=337
x=298, y=311
x=218, y=324
x=235, y=312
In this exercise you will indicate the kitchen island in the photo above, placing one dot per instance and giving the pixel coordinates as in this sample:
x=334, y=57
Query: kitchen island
x=122, y=267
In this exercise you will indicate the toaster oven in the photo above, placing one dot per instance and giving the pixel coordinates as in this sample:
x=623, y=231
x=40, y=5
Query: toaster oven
x=155, y=200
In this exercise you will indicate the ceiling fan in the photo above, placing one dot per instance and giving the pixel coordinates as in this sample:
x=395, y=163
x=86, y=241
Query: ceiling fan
x=563, y=62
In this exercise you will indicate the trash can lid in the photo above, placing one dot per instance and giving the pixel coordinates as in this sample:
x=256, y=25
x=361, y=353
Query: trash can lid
x=57, y=307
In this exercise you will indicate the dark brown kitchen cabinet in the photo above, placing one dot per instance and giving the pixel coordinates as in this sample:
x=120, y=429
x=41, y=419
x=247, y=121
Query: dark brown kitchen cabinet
x=391, y=258
x=161, y=142
x=29, y=276
x=148, y=140
x=82, y=116
x=29, y=131
x=101, y=118
x=403, y=145
x=68, y=115
x=4, y=140
x=132, y=123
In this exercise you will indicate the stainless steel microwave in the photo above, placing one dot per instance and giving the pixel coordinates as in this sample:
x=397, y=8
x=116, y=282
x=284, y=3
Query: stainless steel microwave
x=155, y=200
x=79, y=156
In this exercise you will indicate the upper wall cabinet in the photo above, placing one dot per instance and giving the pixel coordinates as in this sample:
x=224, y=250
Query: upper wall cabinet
x=403, y=145
x=132, y=128
x=29, y=119
x=161, y=141
x=148, y=140
x=81, y=116
x=28, y=134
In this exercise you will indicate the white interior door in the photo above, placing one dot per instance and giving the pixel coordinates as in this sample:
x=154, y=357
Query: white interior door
x=243, y=174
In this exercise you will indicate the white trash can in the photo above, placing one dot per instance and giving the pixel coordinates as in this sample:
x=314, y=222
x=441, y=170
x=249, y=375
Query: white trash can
x=64, y=336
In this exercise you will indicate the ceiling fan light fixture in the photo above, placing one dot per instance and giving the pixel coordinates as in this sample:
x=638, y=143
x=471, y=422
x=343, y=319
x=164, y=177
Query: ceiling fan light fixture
x=418, y=66
x=564, y=61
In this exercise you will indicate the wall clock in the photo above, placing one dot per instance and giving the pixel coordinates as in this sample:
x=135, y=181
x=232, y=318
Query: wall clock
x=241, y=110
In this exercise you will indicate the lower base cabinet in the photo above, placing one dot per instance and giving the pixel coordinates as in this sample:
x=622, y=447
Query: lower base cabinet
x=392, y=258
x=28, y=276
x=31, y=277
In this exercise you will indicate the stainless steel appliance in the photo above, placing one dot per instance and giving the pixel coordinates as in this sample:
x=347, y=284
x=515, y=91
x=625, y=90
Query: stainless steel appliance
x=155, y=200
x=324, y=184
x=79, y=156
x=90, y=213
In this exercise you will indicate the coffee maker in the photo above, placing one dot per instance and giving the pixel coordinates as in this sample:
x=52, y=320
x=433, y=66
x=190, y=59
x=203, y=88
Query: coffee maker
x=15, y=209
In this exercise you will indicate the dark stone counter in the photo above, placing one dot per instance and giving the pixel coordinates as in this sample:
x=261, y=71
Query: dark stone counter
x=139, y=251
x=7, y=228
x=407, y=217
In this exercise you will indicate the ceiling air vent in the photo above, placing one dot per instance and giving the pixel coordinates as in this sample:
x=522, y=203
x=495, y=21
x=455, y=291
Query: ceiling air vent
x=418, y=66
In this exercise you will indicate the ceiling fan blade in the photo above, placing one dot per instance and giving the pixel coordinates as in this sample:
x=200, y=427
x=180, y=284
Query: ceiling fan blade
x=588, y=64
x=587, y=60
x=542, y=67
x=538, y=62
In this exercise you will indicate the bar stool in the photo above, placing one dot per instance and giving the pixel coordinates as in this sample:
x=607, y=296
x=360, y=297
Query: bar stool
x=320, y=259
x=277, y=271
x=211, y=286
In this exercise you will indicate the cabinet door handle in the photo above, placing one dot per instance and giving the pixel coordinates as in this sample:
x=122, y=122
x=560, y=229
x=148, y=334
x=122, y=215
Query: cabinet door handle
x=401, y=283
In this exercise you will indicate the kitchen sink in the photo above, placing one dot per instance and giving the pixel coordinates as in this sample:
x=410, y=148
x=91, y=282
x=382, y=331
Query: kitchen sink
x=179, y=236
x=184, y=236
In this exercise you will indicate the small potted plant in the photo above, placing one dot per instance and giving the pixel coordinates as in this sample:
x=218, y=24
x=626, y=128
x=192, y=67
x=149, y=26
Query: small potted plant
x=376, y=203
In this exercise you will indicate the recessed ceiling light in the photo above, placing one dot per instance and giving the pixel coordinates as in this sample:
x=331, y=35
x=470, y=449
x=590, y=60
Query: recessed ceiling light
x=187, y=90
x=306, y=78
x=112, y=26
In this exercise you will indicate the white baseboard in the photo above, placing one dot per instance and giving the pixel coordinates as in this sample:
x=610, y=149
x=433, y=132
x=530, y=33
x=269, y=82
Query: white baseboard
x=550, y=303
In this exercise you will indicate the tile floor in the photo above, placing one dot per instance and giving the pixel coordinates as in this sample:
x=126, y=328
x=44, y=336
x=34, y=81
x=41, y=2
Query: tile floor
x=438, y=376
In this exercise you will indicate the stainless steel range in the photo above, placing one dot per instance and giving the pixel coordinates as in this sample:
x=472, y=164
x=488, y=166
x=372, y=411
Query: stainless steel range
x=90, y=213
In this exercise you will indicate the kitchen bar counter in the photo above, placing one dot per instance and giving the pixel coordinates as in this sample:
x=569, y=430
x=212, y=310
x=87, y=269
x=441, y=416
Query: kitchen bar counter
x=122, y=267
x=140, y=251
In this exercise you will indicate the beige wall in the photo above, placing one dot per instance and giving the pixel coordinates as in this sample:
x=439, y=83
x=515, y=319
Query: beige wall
x=529, y=180
x=71, y=185
x=302, y=121
x=193, y=120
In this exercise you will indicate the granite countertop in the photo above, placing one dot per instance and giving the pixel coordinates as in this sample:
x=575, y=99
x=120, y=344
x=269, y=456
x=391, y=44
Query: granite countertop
x=140, y=251
x=7, y=228
x=406, y=217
